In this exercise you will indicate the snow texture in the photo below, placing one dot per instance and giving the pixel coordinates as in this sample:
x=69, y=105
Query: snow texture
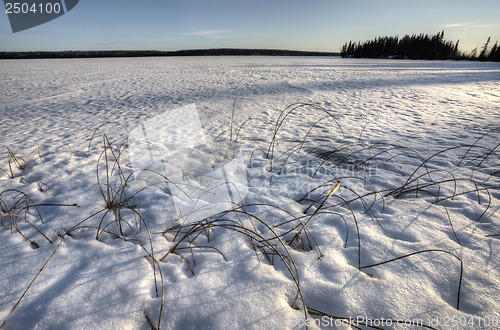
x=94, y=236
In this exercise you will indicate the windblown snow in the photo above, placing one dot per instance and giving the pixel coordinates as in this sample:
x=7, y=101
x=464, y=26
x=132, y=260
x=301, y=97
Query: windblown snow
x=186, y=193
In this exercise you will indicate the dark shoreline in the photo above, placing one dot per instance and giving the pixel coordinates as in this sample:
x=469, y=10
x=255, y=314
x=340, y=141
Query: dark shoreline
x=151, y=53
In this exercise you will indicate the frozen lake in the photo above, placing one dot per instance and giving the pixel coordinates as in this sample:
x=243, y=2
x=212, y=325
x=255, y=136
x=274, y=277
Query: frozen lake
x=410, y=233
x=67, y=96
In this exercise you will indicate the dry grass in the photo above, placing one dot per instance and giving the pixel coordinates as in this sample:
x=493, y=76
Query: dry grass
x=273, y=241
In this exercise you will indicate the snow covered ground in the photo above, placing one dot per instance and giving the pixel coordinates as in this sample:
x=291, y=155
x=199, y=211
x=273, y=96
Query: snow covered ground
x=410, y=236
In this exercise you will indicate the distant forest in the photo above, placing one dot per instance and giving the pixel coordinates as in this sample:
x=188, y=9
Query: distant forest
x=149, y=53
x=420, y=46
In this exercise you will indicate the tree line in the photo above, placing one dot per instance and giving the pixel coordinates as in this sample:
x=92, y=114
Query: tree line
x=420, y=46
x=149, y=53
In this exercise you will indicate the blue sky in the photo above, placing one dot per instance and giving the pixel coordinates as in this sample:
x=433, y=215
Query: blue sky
x=318, y=25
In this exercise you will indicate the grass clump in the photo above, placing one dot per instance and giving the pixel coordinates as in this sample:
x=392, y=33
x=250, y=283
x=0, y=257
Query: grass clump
x=15, y=215
x=287, y=233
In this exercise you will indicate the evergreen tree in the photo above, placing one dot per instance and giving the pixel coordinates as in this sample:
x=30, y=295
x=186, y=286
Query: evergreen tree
x=473, y=53
x=494, y=54
x=482, y=55
x=420, y=46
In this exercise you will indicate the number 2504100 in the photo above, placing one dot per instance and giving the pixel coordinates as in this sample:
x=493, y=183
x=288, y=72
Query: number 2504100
x=35, y=8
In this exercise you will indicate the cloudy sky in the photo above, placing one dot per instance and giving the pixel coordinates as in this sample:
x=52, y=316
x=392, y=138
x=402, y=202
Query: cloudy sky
x=317, y=25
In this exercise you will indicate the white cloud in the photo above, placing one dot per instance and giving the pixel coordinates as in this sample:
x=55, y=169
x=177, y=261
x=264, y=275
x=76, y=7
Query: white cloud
x=208, y=33
x=454, y=25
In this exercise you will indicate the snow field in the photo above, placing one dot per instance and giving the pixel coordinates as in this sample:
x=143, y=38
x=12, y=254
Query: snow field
x=414, y=146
